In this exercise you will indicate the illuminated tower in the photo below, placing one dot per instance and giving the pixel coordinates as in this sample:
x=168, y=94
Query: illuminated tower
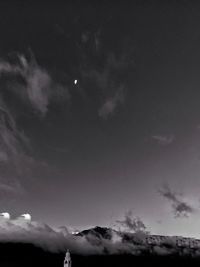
x=67, y=261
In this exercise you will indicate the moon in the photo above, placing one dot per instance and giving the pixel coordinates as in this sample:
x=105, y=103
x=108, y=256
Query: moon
x=75, y=81
x=6, y=215
x=26, y=216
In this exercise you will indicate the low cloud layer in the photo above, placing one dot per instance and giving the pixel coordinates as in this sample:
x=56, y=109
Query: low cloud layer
x=96, y=241
x=180, y=207
x=56, y=240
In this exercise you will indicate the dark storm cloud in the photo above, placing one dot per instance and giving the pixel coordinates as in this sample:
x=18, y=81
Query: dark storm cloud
x=180, y=208
x=132, y=224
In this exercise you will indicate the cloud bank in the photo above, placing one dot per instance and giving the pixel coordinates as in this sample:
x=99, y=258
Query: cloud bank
x=55, y=240
x=95, y=241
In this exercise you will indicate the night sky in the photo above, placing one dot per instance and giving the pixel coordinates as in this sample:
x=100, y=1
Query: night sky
x=125, y=136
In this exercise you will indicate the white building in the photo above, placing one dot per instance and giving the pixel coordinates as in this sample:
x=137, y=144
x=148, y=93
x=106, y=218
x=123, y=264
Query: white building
x=67, y=261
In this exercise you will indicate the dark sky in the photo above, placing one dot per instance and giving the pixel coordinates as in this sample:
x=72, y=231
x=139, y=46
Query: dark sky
x=126, y=136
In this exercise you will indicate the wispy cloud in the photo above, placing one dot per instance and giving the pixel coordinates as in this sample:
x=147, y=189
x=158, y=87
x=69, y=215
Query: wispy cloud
x=163, y=140
x=180, y=207
x=93, y=38
x=111, y=104
x=38, y=84
x=13, y=156
x=12, y=187
x=26, y=81
x=110, y=83
x=37, y=80
x=132, y=224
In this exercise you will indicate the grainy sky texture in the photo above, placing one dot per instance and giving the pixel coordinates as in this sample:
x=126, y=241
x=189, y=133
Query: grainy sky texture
x=125, y=136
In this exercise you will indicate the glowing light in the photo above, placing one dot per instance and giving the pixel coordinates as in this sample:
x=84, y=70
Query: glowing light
x=6, y=215
x=26, y=216
x=75, y=81
x=75, y=232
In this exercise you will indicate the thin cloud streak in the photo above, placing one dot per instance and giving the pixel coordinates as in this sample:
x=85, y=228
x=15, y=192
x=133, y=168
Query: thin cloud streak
x=180, y=207
x=111, y=104
x=163, y=140
x=37, y=80
x=30, y=83
x=109, y=82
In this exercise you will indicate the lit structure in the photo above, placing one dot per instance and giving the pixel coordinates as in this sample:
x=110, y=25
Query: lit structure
x=67, y=261
x=5, y=215
x=26, y=216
